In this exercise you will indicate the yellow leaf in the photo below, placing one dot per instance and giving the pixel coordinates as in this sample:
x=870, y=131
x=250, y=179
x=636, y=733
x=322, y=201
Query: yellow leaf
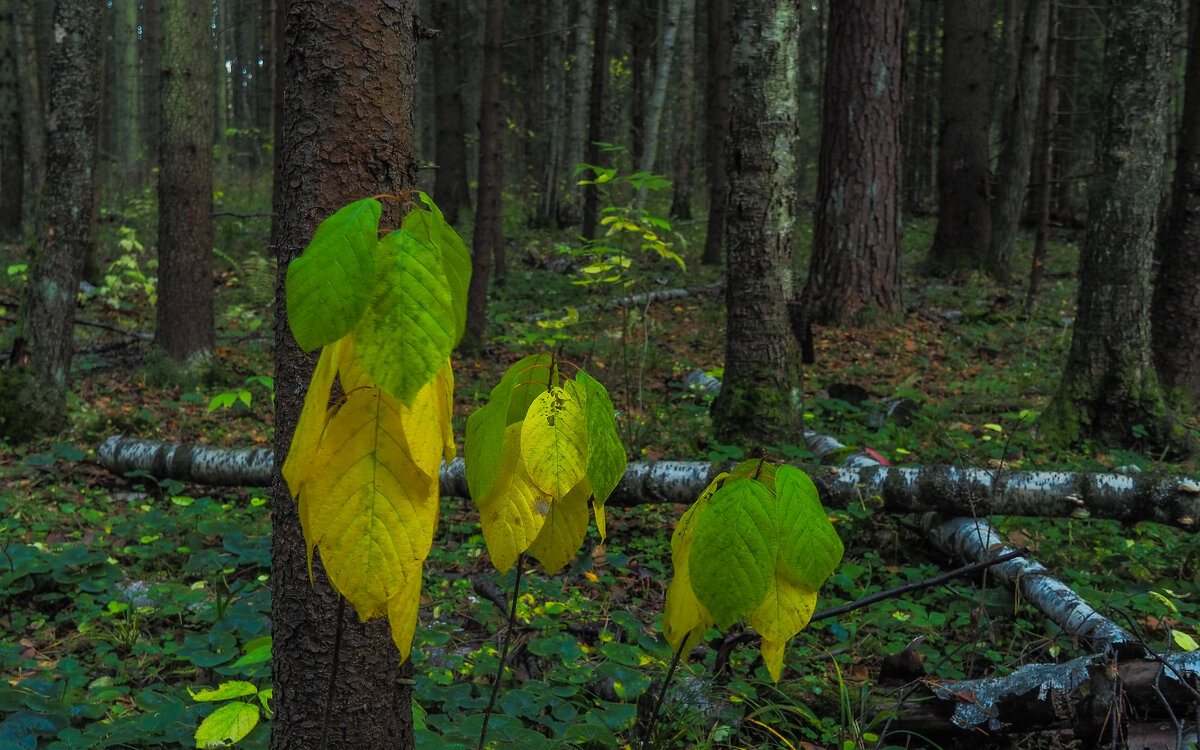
x=402, y=615
x=514, y=510
x=554, y=439
x=564, y=529
x=313, y=418
x=372, y=509
x=685, y=617
x=444, y=384
x=786, y=610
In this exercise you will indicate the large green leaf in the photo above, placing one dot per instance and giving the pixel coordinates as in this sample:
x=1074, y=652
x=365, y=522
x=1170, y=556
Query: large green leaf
x=456, y=259
x=606, y=459
x=734, y=545
x=808, y=544
x=407, y=332
x=554, y=440
x=330, y=285
x=484, y=441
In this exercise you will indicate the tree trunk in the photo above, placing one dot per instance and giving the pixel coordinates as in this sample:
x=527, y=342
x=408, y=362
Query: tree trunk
x=1175, y=311
x=450, y=182
x=899, y=489
x=151, y=21
x=556, y=96
x=658, y=96
x=345, y=132
x=489, y=234
x=185, y=326
x=642, y=23
x=717, y=129
x=1109, y=388
x=920, y=120
x=962, y=238
x=855, y=268
x=33, y=104
x=66, y=227
x=685, y=120
x=12, y=161
x=1020, y=119
x=125, y=96
x=595, y=116
x=1043, y=162
x=571, y=203
x=760, y=401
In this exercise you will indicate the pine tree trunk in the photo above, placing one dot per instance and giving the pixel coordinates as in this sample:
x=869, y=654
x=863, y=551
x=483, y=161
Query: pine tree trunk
x=1020, y=119
x=66, y=228
x=595, y=116
x=554, y=127
x=12, y=161
x=571, y=203
x=962, y=238
x=185, y=326
x=345, y=132
x=1109, y=390
x=1043, y=165
x=658, y=97
x=489, y=234
x=760, y=401
x=855, y=267
x=450, y=182
x=33, y=104
x=685, y=119
x=1176, y=304
x=151, y=22
x=717, y=129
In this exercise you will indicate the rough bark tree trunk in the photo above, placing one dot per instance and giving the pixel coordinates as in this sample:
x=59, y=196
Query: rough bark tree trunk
x=1109, y=385
x=185, y=327
x=760, y=401
x=489, y=236
x=450, y=182
x=12, y=160
x=920, y=126
x=717, y=129
x=1043, y=162
x=685, y=120
x=554, y=127
x=855, y=267
x=345, y=132
x=151, y=21
x=33, y=104
x=66, y=227
x=591, y=195
x=1020, y=119
x=571, y=202
x=961, y=240
x=1175, y=311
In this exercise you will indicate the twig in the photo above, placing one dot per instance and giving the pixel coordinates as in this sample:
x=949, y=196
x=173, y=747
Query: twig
x=662, y=694
x=508, y=632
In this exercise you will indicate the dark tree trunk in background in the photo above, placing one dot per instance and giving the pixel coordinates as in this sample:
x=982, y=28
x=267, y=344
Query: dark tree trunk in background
x=487, y=243
x=685, y=120
x=151, y=21
x=920, y=118
x=717, y=129
x=595, y=115
x=450, y=182
x=1071, y=153
x=1020, y=118
x=571, y=201
x=185, y=326
x=760, y=399
x=962, y=239
x=1042, y=170
x=1109, y=386
x=12, y=160
x=556, y=171
x=1176, y=307
x=123, y=96
x=855, y=267
x=345, y=132
x=66, y=224
x=33, y=103
x=641, y=19
x=658, y=97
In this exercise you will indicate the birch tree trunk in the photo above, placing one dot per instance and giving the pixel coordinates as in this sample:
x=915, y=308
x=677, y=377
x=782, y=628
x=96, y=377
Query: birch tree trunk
x=658, y=97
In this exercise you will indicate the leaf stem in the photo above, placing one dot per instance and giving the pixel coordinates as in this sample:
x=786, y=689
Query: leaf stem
x=508, y=632
x=662, y=694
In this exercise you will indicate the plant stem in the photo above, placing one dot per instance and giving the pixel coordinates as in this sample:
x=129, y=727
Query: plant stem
x=662, y=694
x=508, y=631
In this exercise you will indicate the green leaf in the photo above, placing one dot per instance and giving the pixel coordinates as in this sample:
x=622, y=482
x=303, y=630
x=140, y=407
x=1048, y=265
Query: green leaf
x=330, y=285
x=808, y=544
x=407, y=332
x=508, y=404
x=733, y=550
x=554, y=440
x=456, y=259
x=227, y=725
x=1184, y=641
x=606, y=459
x=227, y=690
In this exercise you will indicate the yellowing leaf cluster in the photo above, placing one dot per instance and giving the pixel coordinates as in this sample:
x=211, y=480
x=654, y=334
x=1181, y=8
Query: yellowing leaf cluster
x=365, y=473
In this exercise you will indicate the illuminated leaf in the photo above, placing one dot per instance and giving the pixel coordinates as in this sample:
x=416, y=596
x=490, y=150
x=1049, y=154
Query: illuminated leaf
x=508, y=404
x=554, y=440
x=808, y=545
x=373, y=510
x=331, y=284
x=685, y=616
x=606, y=458
x=313, y=418
x=407, y=332
x=456, y=259
x=733, y=550
x=564, y=529
x=227, y=725
x=785, y=611
x=402, y=614
x=514, y=511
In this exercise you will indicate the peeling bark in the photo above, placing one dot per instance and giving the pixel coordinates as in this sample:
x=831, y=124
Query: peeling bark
x=1173, y=501
x=976, y=540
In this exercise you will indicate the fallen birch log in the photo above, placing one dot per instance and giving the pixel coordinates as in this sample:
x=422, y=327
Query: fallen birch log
x=976, y=540
x=1088, y=695
x=947, y=489
x=644, y=298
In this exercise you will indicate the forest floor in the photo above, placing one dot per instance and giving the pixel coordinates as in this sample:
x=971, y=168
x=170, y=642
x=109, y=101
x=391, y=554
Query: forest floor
x=117, y=595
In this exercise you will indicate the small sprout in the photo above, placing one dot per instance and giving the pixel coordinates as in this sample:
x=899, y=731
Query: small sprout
x=1080, y=513
x=1074, y=500
x=1187, y=521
